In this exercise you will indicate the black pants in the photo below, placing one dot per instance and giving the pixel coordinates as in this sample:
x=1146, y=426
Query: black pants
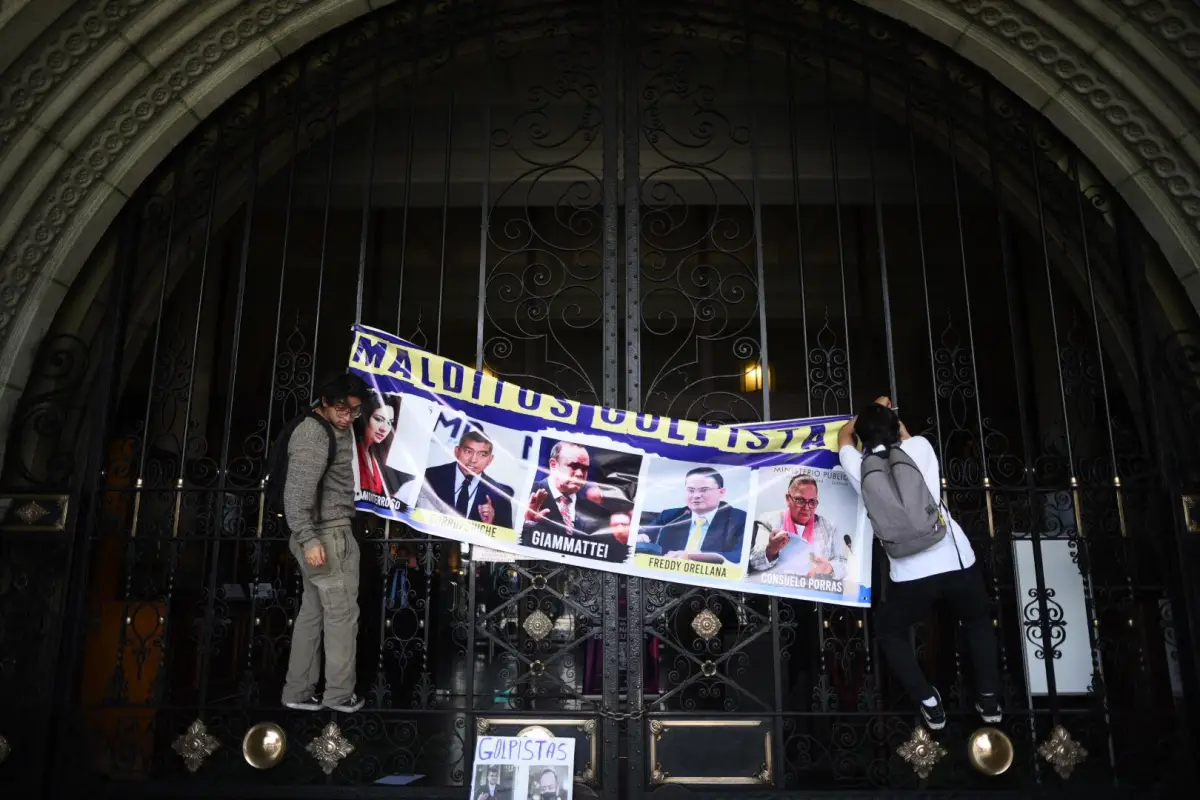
x=908, y=601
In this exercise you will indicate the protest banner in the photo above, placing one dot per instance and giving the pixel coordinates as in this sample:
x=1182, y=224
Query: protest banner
x=521, y=768
x=459, y=453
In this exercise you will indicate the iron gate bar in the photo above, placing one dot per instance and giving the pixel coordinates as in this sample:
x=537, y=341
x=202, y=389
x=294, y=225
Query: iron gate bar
x=48, y=758
x=776, y=741
x=631, y=85
x=1136, y=281
x=239, y=310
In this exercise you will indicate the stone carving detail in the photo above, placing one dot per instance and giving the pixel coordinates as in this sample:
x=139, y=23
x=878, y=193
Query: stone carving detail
x=30, y=81
x=1077, y=71
x=25, y=256
x=1176, y=23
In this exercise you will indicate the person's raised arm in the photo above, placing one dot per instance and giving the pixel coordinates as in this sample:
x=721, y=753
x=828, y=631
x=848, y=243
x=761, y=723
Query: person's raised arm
x=846, y=434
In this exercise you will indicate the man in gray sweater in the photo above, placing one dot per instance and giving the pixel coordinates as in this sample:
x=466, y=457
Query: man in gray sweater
x=318, y=503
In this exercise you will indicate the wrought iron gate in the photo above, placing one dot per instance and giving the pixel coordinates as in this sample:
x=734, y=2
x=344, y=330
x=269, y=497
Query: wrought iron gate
x=625, y=203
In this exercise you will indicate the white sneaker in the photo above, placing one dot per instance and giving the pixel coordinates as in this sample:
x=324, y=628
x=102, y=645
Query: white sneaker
x=311, y=704
x=349, y=705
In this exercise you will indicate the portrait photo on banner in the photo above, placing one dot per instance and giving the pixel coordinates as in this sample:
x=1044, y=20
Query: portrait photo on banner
x=550, y=782
x=497, y=782
x=693, y=512
x=472, y=469
x=805, y=531
x=580, y=501
x=390, y=440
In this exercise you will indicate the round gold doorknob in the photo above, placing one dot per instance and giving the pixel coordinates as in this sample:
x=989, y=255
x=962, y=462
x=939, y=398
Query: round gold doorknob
x=264, y=745
x=990, y=751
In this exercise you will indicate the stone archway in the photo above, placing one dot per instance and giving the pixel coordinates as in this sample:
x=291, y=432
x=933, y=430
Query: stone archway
x=102, y=90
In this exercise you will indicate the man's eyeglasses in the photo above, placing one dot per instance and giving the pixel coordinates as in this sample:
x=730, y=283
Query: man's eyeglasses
x=802, y=502
x=347, y=411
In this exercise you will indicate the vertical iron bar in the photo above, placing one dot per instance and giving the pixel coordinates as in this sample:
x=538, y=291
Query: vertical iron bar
x=437, y=340
x=1137, y=285
x=368, y=180
x=631, y=141
x=916, y=178
x=484, y=216
x=472, y=565
x=408, y=171
x=223, y=475
x=837, y=213
x=145, y=444
x=414, y=68
x=777, y=755
x=1021, y=379
x=794, y=152
x=86, y=492
x=259, y=546
x=337, y=105
x=877, y=202
x=1085, y=561
x=984, y=466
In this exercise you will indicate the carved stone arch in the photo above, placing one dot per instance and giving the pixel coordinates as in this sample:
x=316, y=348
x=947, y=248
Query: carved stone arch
x=104, y=90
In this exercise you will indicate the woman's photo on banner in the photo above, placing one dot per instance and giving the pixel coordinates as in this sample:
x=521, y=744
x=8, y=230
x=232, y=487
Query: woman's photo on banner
x=388, y=453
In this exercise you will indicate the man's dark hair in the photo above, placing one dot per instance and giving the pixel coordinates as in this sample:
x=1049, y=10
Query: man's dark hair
x=545, y=772
x=556, y=450
x=475, y=435
x=707, y=472
x=339, y=388
x=493, y=768
x=877, y=426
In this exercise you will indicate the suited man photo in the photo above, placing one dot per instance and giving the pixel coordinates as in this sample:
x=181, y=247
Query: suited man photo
x=801, y=541
x=561, y=517
x=491, y=789
x=706, y=529
x=546, y=787
x=463, y=487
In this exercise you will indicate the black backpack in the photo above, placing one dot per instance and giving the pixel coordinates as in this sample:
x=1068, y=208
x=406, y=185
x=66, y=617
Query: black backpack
x=277, y=461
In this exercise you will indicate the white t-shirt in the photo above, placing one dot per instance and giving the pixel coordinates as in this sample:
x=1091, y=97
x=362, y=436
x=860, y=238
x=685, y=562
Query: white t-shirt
x=953, y=551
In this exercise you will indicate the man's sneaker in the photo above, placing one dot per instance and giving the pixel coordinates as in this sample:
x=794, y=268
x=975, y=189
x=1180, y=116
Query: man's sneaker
x=349, y=705
x=988, y=706
x=311, y=704
x=935, y=716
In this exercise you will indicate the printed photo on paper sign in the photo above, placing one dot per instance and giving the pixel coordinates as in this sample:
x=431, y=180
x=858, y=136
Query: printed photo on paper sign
x=804, y=529
x=581, y=501
x=386, y=467
x=520, y=768
x=549, y=782
x=472, y=470
x=495, y=782
x=692, y=518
